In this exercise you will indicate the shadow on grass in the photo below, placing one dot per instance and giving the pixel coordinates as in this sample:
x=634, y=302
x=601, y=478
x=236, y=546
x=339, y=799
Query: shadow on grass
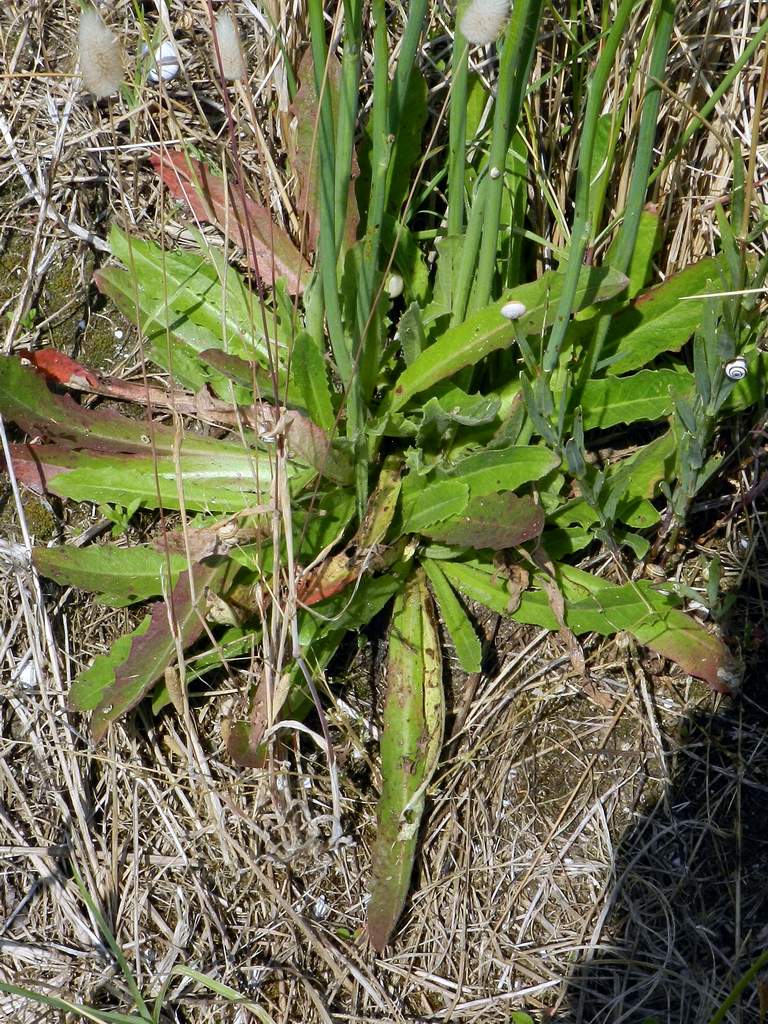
x=688, y=909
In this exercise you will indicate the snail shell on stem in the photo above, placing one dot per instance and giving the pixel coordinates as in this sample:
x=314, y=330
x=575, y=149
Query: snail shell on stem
x=166, y=61
x=736, y=369
x=513, y=310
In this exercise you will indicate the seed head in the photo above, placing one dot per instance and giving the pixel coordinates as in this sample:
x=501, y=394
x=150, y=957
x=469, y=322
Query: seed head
x=483, y=20
x=100, y=63
x=228, y=38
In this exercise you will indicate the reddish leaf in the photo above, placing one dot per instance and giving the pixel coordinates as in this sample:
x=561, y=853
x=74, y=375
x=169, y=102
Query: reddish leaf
x=329, y=579
x=27, y=401
x=60, y=368
x=494, y=521
x=303, y=153
x=268, y=249
x=35, y=465
x=111, y=687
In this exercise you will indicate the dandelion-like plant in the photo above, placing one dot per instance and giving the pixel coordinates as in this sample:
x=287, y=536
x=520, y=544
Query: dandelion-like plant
x=99, y=51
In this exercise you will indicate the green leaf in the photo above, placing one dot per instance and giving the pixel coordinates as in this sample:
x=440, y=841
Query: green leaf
x=89, y=686
x=180, y=293
x=449, y=249
x=646, y=245
x=496, y=521
x=661, y=320
x=118, y=681
x=410, y=331
x=488, y=331
x=460, y=629
x=411, y=740
x=477, y=101
x=502, y=469
x=67, y=1007
x=408, y=148
x=118, y=576
x=382, y=504
x=409, y=261
x=566, y=540
x=345, y=613
x=647, y=395
x=452, y=408
x=479, y=583
x=310, y=375
x=431, y=504
x=602, y=164
x=207, y=485
x=595, y=606
x=639, y=475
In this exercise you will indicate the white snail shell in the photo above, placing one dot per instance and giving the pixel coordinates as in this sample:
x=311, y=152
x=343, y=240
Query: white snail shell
x=495, y=173
x=736, y=369
x=394, y=286
x=166, y=59
x=513, y=310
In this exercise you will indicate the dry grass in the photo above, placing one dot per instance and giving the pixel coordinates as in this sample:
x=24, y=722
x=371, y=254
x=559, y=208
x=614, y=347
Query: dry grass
x=597, y=853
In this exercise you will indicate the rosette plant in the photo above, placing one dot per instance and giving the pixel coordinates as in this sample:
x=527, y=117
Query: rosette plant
x=417, y=453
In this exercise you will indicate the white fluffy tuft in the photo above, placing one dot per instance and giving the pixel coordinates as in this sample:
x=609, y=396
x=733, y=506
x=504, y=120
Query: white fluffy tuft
x=483, y=20
x=100, y=63
x=232, y=63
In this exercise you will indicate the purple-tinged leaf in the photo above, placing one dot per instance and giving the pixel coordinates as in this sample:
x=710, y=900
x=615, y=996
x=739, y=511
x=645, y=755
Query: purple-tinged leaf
x=117, y=682
x=118, y=576
x=495, y=521
x=26, y=400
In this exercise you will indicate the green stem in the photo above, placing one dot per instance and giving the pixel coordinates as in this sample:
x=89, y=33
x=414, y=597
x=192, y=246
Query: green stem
x=466, y=271
x=349, y=96
x=581, y=226
x=381, y=154
x=457, y=135
x=405, y=62
x=618, y=115
x=638, y=187
x=327, y=169
x=514, y=70
x=342, y=350
x=737, y=991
